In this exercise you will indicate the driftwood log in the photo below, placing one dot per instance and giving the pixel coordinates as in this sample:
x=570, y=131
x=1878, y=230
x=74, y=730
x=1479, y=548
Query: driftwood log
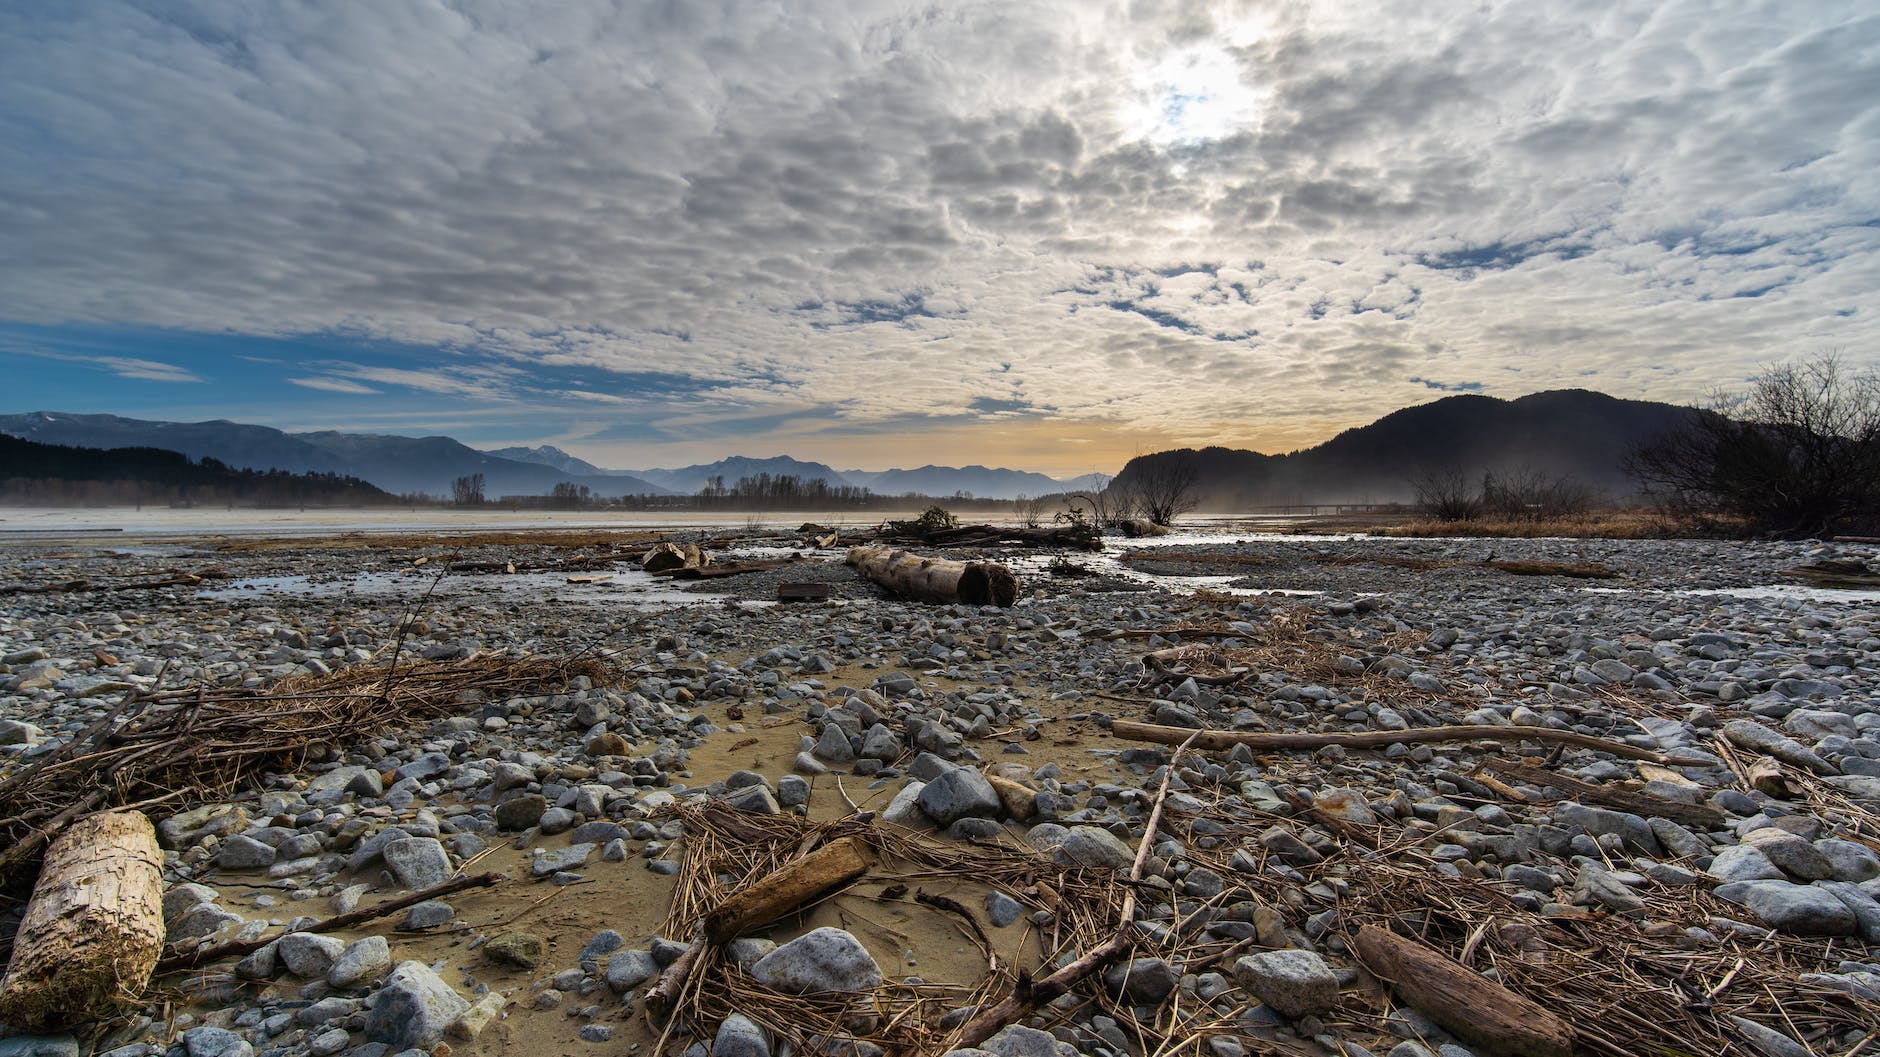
x=936, y=579
x=1379, y=739
x=1471, y=1005
x=94, y=927
x=1080, y=537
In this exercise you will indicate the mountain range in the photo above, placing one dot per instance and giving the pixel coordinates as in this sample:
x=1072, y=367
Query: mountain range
x=401, y=464
x=1569, y=432
x=1573, y=433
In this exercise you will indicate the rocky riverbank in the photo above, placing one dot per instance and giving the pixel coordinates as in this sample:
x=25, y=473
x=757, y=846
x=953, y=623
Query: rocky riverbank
x=1724, y=904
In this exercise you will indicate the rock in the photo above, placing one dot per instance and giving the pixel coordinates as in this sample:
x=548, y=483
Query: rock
x=469, y=1027
x=1093, y=846
x=516, y=950
x=1865, y=908
x=519, y=813
x=1020, y=1041
x=827, y=959
x=629, y=969
x=904, y=808
x=414, y=1008
x=739, y=1036
x=242, y=852
x=308, y=955
x=362, y=961
x=553, y=862
x=1849, y=861
x=756, y=799
x=957, y=794
x=607, y=743
x=792, y=790
x=1002, y=910
x=1348, y=805
x=1743, y=862
x=418, y=862
x=354, y=779
x=215, y=1042
x=556, y=820
x=1800, y=910
x=1790, y=853
x=1751, y=735
x=1293, y=983
x=1144, y=981
x=428, y=914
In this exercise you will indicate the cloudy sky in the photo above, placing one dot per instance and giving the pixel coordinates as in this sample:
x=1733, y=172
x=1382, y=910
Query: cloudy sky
x=1042, y=235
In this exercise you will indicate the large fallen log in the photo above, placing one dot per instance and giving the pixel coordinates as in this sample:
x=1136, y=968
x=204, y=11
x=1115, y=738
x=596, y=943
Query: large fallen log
x=93, y=929
x=1379, y=739
x=936, y=579
x=1472, y=1006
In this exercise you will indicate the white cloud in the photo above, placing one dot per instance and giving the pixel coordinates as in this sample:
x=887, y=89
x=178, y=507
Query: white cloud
x=332, y=385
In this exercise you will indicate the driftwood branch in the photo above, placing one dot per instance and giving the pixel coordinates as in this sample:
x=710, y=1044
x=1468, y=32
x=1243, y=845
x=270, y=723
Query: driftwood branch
x=178, y=960
x=1378, y=739
x=1614, y=797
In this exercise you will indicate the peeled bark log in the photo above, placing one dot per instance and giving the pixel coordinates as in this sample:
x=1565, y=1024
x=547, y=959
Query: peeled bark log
x=1474, y=1007
x=94, y=927
x=936, y=579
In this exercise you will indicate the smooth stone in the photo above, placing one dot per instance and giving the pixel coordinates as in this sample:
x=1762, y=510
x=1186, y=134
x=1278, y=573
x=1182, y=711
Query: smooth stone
x=827, y=959
x=362, y=960
x=414, y=1008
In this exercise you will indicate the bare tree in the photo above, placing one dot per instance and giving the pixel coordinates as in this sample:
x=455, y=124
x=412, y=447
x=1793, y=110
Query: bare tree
x=1445, y=495
x=1166, y=488
x=1797, y=455
x=467, y=490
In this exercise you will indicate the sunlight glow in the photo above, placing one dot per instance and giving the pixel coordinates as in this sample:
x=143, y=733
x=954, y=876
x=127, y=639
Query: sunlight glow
x=1192, y=95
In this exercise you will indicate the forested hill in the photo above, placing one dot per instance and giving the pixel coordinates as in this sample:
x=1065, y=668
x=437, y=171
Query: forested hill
x=34, y=474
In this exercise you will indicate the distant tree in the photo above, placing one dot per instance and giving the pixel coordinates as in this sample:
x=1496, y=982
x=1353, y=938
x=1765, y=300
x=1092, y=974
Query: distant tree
x=1165, y=488
x=1444, y=494
x=1797, y=455
x=467, y=490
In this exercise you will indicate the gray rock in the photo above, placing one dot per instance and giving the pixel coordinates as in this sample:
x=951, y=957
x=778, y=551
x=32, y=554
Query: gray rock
x=242, y=852
x=958, y=794
x=792, y=790
x=1142, y=980
x=1751, y=735
x=1002, y=910
x=1020, y=1041
x=739, y=1036
x=756, y=799
x=1743, y=862
x=834, y=745
x=1790, y=853
x=1865, y=908
x=429, y=765
x=556, y=820
x=308, y=955
x=418, y=862
x=551, y=862
x=827, y=959
x=42, y=1046
x=1093, y=846
x=745, y=951
x=1849, y=861
x=519, y=813
x=215, y=1042
x=429, y=914
x=904, y=808
x=1800, y=910
x=629, y=969
x=354, y=779
x=414, y=1008
x=362, y=960
x=1293, y=983
x=203, y=919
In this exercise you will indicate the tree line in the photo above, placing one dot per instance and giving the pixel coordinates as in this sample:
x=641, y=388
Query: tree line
x=35, y=474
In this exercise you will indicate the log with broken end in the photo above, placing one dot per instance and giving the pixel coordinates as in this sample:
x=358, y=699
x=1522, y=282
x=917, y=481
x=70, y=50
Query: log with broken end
x=935, y=579
x=93, y=928
x=1379, y=739
x=1472, y=1006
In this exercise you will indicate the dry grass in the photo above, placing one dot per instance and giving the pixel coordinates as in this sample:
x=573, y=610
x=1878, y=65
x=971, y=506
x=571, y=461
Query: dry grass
x=1617, y=525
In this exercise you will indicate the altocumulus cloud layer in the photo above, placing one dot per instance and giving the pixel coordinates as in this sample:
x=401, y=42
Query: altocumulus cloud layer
x=814, y=226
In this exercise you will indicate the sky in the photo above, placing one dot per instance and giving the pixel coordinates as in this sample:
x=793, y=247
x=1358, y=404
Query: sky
x=871, y=233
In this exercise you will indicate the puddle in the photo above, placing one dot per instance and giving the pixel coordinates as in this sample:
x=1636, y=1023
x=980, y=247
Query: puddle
x=1770, y=592
x=622, y=587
